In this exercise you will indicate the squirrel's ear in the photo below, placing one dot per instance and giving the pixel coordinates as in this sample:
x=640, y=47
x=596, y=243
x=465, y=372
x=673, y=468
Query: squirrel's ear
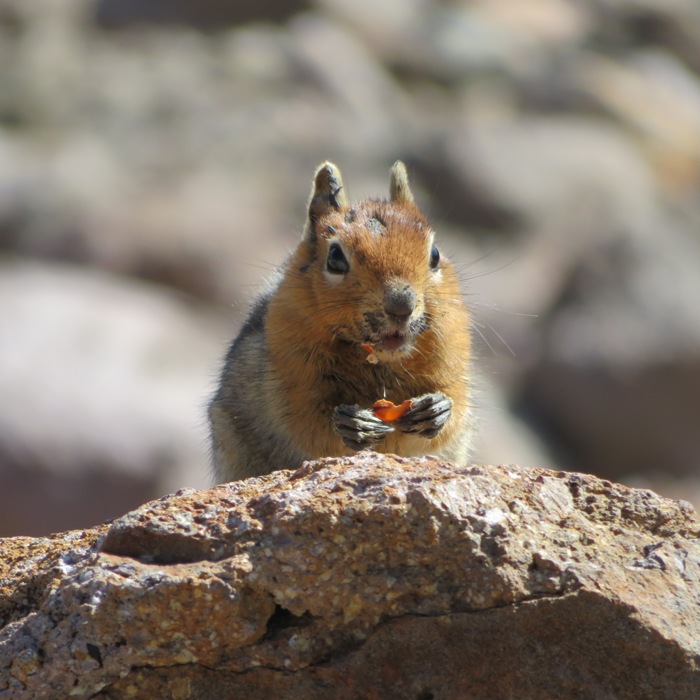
x=399, y=189
x=328, y=194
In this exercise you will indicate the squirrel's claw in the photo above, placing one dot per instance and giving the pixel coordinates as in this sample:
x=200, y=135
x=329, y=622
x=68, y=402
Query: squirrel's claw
x=427, y=415
x=358, y=427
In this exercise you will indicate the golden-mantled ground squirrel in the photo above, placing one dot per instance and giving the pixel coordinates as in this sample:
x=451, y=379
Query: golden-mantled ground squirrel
x=366, y=307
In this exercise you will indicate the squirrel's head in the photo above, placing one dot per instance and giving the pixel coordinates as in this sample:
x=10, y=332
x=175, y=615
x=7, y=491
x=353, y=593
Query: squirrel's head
x=375, y=274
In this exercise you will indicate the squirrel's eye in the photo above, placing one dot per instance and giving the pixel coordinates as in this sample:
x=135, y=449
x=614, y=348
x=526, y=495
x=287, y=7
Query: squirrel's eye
x=434, y=257
x=337, y=263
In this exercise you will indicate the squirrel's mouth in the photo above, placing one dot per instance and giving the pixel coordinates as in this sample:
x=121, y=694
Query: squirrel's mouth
x=394, y=339
x=391, y=342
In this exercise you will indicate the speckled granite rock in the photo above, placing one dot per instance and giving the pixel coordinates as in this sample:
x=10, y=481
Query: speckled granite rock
x=370, y=576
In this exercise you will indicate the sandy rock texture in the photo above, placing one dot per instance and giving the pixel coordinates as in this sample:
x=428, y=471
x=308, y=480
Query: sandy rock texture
x=370, y=576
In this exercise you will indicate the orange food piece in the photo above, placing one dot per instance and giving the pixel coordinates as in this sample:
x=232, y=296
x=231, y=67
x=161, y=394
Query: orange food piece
x=388, y=411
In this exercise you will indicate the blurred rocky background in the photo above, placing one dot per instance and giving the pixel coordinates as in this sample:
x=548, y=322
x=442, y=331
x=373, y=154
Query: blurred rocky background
x=155, y=159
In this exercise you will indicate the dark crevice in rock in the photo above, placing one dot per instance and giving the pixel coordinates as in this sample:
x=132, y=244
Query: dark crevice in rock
x=95, y=653
x=153, y=548
x=283, y=619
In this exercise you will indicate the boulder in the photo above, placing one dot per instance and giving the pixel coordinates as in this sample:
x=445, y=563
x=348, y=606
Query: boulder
x=104, y=384
x=370, y=576
x=623, y=338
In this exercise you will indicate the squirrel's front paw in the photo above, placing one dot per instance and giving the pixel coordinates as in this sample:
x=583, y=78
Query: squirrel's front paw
x=358, y=427
x=427, y=415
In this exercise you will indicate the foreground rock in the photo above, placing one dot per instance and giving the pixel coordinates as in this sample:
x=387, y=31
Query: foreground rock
x=364, y=577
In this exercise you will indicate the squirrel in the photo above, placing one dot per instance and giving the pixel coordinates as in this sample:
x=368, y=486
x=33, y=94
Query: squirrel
x=366, y=307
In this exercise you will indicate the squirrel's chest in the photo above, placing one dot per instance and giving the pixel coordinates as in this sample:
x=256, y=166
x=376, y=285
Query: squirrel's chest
x=363, y=385
x=308, y=384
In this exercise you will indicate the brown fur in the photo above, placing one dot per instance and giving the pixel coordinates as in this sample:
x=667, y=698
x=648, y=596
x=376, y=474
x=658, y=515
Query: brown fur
x=300, y=356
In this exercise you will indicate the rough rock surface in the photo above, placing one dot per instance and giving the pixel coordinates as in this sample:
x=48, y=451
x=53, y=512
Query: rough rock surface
x=370, y=576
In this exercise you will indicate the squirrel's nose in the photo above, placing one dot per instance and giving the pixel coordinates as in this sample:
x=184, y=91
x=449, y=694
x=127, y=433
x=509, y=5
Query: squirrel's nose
x=399, y=302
